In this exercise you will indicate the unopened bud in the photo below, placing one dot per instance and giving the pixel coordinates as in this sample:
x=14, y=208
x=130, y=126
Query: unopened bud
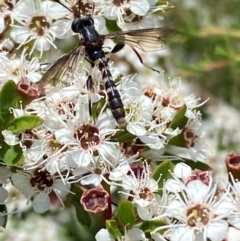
x=233, y=165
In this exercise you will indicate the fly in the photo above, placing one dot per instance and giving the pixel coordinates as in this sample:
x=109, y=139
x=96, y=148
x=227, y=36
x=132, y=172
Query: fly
x=91, y=49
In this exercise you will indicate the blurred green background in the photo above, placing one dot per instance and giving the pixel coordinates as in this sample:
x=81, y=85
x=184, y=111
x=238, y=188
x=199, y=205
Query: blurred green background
x=209, y=55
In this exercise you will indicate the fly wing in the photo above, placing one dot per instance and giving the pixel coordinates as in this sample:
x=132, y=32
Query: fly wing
x=62, y=69
x=147, y=40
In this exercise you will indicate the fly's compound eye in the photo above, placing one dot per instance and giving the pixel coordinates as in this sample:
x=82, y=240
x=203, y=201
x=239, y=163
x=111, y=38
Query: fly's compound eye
x=77, y=25
x=91, y=21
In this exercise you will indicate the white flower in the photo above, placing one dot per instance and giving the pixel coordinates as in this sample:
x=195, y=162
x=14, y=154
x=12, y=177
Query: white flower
x=83, y=138
x=194, y=139
x=116, y=168
x=120, y=167
x=4, y=174
x=140, y=187
x=233, y=234
x=3, y=195
x=139, y=109
x=10, y=138
x=104, y=235
x=170, y=96
x=72, y=135
x=116, y=9
x=183, y=175
x=38, y=23
x=38, y=184
x=234, y=218
x=134, y=234
x=182, y=170
x=6, y=14
x=132, y=22
x=198, y=214
x=19, y=69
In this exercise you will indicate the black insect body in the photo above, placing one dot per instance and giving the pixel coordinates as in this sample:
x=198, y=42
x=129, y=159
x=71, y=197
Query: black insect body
x=91, y=48
x=93, y=43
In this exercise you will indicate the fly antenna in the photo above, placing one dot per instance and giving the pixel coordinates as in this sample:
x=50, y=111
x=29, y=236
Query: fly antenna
x=70, y=10
x=93, y=8
x=79, y=8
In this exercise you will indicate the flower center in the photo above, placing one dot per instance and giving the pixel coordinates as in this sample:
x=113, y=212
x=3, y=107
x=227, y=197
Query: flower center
x=88, y=136
x=85, y=8
x=146, y=194
x=28, y=137
x=203, y=176
x=134, y=111
x=189, y=137
x=39, y=24
x=66, y=107
x=54, y=145
x=41, y=179
x=118, y=3
x=198, y=215
x=6, y=4
x=136, y=146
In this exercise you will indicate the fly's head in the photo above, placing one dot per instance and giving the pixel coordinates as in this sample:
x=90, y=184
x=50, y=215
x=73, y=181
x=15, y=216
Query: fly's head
x=80, y=23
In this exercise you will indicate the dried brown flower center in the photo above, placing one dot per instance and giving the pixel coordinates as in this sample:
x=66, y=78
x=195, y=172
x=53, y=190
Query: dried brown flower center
x=198, y=214
x=39, y=24
x=41, y=179
x=119, y=3
x=87, y=135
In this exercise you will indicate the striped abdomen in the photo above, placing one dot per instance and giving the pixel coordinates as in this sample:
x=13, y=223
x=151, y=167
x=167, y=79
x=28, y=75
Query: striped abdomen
x=114, y=99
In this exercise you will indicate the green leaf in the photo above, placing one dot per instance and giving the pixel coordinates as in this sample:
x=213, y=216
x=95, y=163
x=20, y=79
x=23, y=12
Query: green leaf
x=149, y=226
x=24, y=123
x=162, y=173
x=83, y=216
x=125, y=213
x=2, y=123
x=222, y=52
x=118, y=79
x=123, y=136
x=12, y=155
x=97, y=108
x=9, y=96
x=112, y=26
x=192, y=163
x=166, y=6
x=179, y=120
x=3, y=219
x=177, y=141
x=112, y=227
x=196, y=164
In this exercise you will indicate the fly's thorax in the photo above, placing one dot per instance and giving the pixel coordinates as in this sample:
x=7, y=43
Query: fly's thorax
x=89, y=34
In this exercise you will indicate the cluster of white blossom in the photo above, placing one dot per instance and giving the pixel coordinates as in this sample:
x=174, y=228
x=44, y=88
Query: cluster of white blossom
x=71, y=148
x=190, y=207
x=37, y=24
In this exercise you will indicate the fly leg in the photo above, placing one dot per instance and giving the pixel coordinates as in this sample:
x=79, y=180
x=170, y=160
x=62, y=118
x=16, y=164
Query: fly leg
x=90, y=88
x=89, y=84
x=139, y=57
x=117, y=48
x=120, y=46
